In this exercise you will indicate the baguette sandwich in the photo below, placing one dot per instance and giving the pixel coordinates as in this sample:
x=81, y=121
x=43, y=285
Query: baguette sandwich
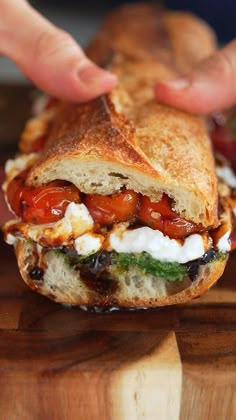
x=117, y=199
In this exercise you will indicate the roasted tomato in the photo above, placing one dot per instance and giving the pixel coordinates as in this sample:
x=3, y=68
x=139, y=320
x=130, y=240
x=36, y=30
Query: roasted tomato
x=41, y=204
x=233, y=240
x=118, y=207
x=161, y=216
x=223, y=136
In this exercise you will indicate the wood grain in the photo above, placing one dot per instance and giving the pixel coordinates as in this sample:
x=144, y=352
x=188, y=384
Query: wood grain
x=63, y=363
x=177, y=362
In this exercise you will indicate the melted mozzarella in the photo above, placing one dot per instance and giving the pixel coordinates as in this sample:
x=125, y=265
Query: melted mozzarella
x=11, y=239
x=223, y=244
x=227, y=174
x=75, y=222
x=160, y=247
x=88, y=243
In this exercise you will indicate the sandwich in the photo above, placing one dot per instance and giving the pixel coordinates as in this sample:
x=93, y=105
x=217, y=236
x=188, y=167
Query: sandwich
x=116, y=201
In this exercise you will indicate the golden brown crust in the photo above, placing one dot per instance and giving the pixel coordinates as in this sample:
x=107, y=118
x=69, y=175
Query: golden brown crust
x=155, y=148
x=168, y=152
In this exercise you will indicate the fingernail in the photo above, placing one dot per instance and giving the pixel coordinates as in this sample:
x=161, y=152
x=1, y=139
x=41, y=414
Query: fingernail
x=178, y=84
x=90, y=74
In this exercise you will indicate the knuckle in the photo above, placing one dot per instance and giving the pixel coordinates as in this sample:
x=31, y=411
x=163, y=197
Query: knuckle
x=50, y=43
x=220, y=66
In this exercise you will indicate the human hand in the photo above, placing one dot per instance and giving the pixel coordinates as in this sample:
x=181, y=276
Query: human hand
x=211, y=86
x=48, y=56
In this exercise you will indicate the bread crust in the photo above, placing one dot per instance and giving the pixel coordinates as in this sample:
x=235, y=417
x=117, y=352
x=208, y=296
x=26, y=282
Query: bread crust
x=153, y=147
x=77, y=292
x=127, y=139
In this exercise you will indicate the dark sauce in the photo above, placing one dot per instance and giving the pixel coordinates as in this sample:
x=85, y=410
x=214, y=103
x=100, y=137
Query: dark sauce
x=93, y=271
x=208, y=256
x=98, y=263
x=95, y=275
x=38, y=266
x=36, y=273
x=103, y=285
x=193, y=266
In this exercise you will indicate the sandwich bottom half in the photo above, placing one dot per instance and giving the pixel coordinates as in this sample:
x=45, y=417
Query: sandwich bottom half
x=109, y=279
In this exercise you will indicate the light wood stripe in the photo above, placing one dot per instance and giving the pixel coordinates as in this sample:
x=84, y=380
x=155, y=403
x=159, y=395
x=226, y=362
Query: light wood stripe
x=149, y=388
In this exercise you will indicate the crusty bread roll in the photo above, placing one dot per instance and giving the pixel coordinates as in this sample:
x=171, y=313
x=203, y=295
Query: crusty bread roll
x=128, y=140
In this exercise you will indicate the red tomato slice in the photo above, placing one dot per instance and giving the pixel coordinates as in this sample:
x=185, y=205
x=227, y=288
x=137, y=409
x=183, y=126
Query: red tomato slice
x=233, y=240
x=178, y=228
x=224, y=141
x=161, y=216
x=41, y=204
x=106, y=210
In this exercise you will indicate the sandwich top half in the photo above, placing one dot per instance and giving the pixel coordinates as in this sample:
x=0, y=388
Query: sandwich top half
x=125, y=144
x=127, y=138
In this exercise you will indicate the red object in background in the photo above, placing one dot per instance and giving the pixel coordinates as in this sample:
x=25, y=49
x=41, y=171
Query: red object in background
x=233, y=240
x=224, y=139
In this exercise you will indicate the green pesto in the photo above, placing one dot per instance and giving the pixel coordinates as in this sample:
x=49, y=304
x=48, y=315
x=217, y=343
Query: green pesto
x=71, y=261
x=170, y=271
x=221, y=256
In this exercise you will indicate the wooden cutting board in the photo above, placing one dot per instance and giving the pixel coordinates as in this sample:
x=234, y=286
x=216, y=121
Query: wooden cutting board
x=165, y=364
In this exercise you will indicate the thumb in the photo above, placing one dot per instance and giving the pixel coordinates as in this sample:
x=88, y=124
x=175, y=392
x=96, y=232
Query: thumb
x=210, y=87
x=48, y=56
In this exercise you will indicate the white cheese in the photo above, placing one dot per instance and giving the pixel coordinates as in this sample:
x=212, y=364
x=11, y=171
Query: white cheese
x=11, y=239
x=160, y=247
x=75, y=222
x=88, y=243
x=223, y=244
x=78, y=214
x=227, y=174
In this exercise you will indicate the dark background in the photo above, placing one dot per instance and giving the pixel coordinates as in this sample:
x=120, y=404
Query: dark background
x=220, y=14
